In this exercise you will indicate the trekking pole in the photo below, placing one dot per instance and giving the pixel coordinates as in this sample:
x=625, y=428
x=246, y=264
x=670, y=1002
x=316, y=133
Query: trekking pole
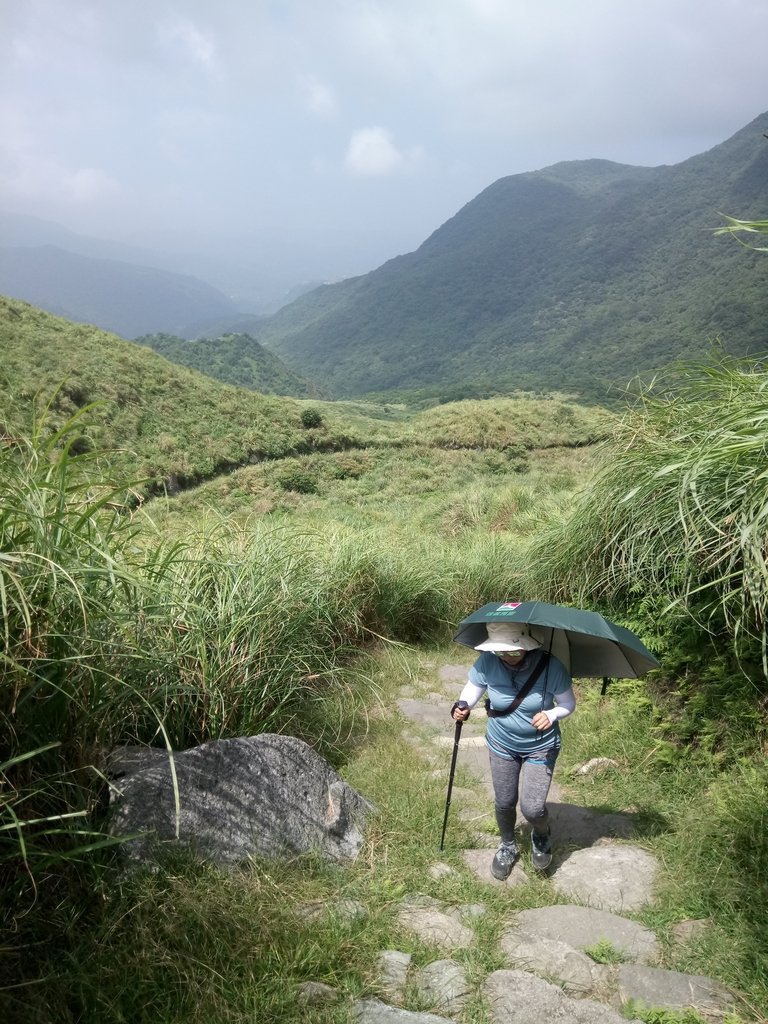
x=456, y=737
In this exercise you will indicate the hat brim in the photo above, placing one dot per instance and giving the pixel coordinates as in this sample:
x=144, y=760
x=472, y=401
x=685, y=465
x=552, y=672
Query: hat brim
x=497, y=646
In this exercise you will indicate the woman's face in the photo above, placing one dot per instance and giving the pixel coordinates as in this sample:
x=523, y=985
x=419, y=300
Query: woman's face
x=512, y=658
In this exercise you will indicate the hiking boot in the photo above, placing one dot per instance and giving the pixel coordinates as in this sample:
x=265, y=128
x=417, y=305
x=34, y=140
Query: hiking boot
x=541, y=850
x=504, y=860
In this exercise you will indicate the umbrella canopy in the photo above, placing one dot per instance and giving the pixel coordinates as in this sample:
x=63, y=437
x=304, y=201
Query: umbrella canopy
x=585, y=642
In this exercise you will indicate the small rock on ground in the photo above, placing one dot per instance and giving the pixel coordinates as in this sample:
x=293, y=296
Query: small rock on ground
x=596, y=765
x=440, y=870
x=392, y=974
x=435, y=927
x=670, y=990
x=314, y=992
x=443, y=985
x=371, y=1011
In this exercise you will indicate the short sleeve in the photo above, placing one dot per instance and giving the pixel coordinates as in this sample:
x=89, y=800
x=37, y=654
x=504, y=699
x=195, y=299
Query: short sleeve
x=559, y=677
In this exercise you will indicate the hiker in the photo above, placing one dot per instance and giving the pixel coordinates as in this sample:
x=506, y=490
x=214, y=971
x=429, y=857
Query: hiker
x=522, y=735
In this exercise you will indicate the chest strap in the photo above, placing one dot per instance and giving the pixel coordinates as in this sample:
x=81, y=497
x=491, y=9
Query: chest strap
x=501, y=712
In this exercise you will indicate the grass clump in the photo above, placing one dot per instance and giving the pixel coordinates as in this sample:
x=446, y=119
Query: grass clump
x=512, y=425
x=669, y=537
x=604, y=952
x=679, y=507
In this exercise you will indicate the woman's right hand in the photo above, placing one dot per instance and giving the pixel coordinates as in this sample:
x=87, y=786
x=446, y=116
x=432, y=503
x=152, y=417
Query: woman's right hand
x=460, y=711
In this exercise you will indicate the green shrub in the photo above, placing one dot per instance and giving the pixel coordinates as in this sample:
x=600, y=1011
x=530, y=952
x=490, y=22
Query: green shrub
x=311, y=417
x=297, y=479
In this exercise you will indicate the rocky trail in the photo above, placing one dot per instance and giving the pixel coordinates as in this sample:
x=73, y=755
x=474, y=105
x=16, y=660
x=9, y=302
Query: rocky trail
x=599, y=876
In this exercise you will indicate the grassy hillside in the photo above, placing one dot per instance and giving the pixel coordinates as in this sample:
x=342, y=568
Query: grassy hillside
x=178, y=427
x=257, y=602
x=233, y=359
x=574, y=277
x=172, y=425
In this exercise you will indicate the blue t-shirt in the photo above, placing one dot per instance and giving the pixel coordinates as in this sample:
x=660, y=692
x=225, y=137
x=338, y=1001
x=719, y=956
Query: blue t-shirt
x=514, y=734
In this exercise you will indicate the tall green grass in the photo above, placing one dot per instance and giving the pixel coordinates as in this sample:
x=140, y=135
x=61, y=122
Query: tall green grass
x=113, y=635
x=66, y=582
x=677, y=516
x=194, y=944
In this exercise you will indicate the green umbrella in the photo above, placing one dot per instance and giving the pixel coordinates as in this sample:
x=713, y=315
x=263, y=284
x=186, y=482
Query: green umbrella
x=585, y=642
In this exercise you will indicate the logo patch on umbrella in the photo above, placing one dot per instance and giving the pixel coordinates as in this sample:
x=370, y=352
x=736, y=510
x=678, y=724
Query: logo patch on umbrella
x=508, y=606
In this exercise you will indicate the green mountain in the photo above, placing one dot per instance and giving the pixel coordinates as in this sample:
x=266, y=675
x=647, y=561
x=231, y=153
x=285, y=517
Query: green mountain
x=234, y=359
x=176, y=428
x=126, y=298
x=573, y=277
x=164, y=422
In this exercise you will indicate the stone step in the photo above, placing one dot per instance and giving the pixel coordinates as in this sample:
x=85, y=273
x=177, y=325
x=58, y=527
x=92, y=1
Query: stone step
x=549, y=976
x=548, y=967
x=593, y=863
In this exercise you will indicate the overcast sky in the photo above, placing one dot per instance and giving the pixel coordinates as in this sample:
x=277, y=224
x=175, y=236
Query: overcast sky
x=339, y=133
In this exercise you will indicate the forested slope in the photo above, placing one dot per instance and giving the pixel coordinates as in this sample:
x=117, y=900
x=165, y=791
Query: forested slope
x=575, y=277
x=233, y=359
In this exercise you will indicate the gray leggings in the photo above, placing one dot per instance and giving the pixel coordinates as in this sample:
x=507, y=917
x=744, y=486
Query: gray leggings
x=533, y=789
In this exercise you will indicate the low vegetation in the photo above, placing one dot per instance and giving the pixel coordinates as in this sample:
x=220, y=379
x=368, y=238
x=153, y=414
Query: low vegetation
x=299, y=593
x=173, y=426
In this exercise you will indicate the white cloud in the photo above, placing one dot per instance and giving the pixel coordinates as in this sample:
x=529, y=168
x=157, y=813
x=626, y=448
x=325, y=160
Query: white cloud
x=372, y=153
x=89, y=184
x=183, y=36
x=30, y=171
x=318, y=97
x=43, y=180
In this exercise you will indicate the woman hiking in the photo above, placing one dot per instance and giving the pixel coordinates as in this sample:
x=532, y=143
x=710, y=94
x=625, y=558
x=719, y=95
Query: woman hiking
x=528, y=692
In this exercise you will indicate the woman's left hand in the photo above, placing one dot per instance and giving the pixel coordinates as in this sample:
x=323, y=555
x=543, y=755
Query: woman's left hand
x=540, y=721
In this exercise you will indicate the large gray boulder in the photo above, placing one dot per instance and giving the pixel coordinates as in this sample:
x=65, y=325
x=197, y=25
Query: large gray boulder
x=267, y=795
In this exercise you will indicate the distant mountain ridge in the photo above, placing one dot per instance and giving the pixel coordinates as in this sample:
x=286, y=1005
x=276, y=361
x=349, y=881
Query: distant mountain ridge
x=126, y=298
x=573, y=277
x=254, y=278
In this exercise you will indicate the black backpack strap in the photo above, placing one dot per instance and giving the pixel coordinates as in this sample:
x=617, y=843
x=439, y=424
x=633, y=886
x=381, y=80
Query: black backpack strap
x=501, y=712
